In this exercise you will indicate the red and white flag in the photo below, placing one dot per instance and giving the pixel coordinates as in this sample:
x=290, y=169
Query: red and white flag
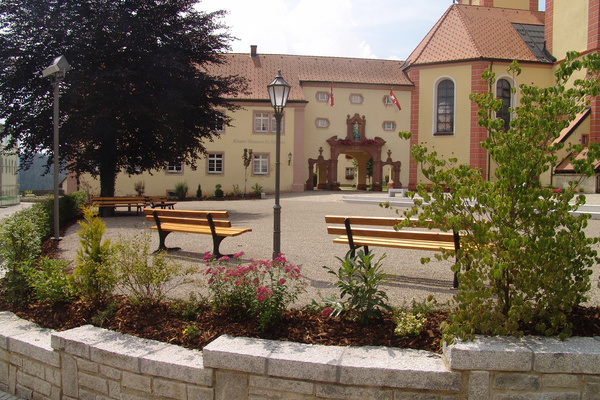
x=394, y=99
x=331, y=95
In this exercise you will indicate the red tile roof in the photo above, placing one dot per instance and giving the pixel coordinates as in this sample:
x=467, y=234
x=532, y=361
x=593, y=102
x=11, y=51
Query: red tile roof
x=471, y=32
x=261, y=70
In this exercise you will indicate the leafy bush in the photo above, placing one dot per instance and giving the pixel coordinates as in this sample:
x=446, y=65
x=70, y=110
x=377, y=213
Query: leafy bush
x=69, y=207
x=218, y=191
x=139, y=187
x=358, y=280
x=408, y=324
x=199, y=192
x=20, y=245
x=257, y=189
x=181, y=190
x=50, y=281
x=524, y=258
x=93, y=273
x=236, y=191
x=262, y=289
x=146, y=278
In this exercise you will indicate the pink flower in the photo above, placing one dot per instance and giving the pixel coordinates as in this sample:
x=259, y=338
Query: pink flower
x=238, y=255
x=224, y=258
x=326, y=311
x=263, y=293
x=207, y=256
x=281, y=281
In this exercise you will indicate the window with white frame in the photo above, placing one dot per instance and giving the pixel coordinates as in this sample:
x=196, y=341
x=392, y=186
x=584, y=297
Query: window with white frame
x=389, y=126
x=356, y=98
x=174, y=168
x=322, y=123
x=322, y=96
x=214, y=163
x=444, y=124
x=260, y=164
x=261, y=121
x=265, y=122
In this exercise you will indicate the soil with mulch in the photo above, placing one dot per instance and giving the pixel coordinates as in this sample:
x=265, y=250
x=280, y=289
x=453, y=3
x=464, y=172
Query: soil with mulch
x=177, y=324
x=194, y=327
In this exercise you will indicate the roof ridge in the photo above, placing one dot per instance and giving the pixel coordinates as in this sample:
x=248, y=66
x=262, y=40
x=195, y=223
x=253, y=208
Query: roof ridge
x=461, y=14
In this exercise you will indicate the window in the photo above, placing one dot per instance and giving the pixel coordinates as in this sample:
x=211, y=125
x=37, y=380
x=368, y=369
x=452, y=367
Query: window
x=322, y=123
x=585, y=138
x=174, y=168
x=349, y=173
x=215, y=163
x=265, y=122
x=322, y=96
x=445, y=108
x=356, y=99
x=389, y=126
x=260, y=164
x=261, y=122
x=503, y=93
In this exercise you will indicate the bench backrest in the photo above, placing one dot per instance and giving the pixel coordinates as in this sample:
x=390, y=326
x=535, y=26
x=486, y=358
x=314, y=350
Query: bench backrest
x=358, y=224
x=188, y=217
x=118, y=198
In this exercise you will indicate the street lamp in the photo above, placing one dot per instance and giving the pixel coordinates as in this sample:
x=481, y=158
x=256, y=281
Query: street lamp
x=278, y=93
x=56, y=72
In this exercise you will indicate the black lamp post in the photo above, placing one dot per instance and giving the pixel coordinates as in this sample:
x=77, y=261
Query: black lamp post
x=56, y=72
x=278, y=93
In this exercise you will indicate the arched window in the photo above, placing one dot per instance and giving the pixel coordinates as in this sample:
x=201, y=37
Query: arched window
x=504, y=94
x=445, y=108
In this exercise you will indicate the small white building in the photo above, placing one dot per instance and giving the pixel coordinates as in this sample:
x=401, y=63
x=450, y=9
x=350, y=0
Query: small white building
x=9, y=177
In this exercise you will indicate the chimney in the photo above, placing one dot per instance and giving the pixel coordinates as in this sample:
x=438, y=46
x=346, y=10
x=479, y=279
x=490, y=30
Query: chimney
x=253, y=52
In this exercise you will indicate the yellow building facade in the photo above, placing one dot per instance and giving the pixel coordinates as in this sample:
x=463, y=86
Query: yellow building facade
x=325, y=143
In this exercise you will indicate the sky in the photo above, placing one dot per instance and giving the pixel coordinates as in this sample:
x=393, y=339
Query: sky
x=384, y=29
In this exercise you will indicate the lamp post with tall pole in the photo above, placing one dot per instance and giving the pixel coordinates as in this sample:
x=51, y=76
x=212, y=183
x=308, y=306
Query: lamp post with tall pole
x=279, y=91
x=56, y=72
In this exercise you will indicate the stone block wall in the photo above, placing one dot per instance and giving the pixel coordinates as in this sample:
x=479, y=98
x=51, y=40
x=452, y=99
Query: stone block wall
x=94, y=363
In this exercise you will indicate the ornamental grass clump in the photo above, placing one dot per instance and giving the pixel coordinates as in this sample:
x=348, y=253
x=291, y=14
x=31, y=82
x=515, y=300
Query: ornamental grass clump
x=260, y=289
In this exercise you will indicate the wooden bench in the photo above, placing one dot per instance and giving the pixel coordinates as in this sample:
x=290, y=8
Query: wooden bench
x=120, y=201
x=160, y=202
x=359, y=232
x=213, y=223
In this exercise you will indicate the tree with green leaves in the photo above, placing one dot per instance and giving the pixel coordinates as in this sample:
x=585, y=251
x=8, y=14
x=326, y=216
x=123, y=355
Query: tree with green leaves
x=524, y=259
x=140, y=93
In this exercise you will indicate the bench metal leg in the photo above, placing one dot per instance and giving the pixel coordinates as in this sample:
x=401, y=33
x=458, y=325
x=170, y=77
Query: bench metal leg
x=216, y=239
x=162, y=235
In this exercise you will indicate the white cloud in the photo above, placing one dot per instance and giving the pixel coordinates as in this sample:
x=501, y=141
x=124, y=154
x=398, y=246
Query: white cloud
x=348, y=28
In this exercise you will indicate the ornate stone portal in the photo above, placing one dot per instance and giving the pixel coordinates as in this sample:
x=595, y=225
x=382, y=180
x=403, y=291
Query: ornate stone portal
x=357, y=146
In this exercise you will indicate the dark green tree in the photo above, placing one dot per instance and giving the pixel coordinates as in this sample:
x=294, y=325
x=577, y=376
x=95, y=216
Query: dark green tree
x=140, y=93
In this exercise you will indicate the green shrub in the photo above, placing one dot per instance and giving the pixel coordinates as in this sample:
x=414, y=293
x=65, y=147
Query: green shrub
x=93, y=272
x=181, y=190
x=145, y=277
x=139, y=187
x=261, y=290
x=524, y=258
x=50, y=281
x=408, y=324
x=20, y=245
x=236, y=191
x=69, y=207
x=218, y=191
x=359, y=279
x=257, y=189
x=199, y=191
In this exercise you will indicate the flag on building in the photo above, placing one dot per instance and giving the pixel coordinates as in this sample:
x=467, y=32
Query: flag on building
x=331, y=94
x=394, y=99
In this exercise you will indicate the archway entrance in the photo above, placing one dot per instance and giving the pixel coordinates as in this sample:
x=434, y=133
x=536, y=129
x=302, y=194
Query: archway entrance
x=361, y=149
